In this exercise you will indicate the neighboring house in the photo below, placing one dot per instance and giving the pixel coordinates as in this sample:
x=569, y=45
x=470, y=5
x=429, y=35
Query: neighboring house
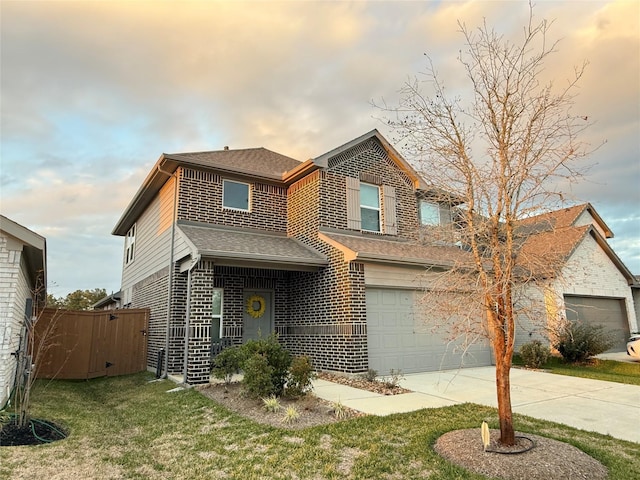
x=586, y=280
x=329, y=253
x=23, y=264
x=110, y=302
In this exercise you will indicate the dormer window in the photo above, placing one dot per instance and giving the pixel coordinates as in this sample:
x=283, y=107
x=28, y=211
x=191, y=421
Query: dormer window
x=370, y=207
x=429, y=213
x=236, y=195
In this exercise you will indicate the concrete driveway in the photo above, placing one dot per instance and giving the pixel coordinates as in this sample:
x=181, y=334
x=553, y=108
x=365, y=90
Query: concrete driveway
x=593, y=405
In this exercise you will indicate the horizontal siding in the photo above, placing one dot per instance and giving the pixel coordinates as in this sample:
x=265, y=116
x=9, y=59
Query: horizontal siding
x=153, y=238
x=392, y=276
x=181, y=248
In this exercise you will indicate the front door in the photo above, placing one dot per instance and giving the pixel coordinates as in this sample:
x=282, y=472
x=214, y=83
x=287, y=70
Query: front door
x=258, y=314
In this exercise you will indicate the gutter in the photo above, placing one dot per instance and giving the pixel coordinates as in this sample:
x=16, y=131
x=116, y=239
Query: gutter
x=196, y=260
x=170, y=282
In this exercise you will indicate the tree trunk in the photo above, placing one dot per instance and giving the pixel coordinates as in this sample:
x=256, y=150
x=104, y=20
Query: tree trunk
x=503, y=369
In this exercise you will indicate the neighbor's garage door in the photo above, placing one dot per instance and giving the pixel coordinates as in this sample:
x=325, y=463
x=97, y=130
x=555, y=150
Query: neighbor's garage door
x=398, y=339
x=610, y=312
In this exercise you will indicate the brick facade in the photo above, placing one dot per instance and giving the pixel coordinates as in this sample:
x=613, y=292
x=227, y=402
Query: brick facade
x=200, y=200
x=321, y=313
x=15, y=288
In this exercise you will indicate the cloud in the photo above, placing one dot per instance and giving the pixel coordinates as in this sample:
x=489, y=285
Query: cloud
x=93, y=93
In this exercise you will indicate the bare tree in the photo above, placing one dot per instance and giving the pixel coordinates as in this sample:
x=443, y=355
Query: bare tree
x=502, y=156
x=35, y=343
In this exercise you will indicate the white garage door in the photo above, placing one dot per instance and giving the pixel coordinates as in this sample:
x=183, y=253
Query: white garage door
x=606, y=311
x=398, y=339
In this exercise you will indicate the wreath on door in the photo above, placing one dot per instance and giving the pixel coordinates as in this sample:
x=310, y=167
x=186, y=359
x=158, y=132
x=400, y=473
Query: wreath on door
x=256, y=306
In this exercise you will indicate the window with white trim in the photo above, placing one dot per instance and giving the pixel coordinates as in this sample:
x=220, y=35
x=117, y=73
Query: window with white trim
x=429, y=213
x=236, y=195
x=216, y=314
x=370, y=207
x=129, y=245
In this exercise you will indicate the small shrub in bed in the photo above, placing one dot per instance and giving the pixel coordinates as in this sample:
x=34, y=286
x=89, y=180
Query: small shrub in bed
x=301, y=375
x=277, y=358
x=227, y=363
x=577, y=341
x=534, y=354
x=258, y=376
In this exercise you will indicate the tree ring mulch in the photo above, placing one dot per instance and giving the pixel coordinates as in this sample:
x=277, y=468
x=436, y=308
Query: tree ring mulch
x=36, y=432
x=548, y=460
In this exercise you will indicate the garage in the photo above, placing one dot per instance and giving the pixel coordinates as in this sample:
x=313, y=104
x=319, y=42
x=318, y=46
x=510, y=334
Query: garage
x=606, y=311
x=398, y=339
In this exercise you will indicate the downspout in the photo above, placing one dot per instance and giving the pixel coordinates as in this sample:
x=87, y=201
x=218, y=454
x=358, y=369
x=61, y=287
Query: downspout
x=171, y=250
x=196, y=260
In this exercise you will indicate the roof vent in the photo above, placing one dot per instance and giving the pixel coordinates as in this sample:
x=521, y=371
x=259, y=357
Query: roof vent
x=226, y=148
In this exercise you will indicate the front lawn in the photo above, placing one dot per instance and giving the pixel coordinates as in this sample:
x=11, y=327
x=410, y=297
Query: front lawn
x=129, y=427
x=596, y=369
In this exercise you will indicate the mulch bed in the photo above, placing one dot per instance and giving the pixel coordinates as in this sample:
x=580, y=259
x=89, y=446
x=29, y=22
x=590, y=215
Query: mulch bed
x=375, y=386
x=313, y=410
x=548, y=460
x=36, y=432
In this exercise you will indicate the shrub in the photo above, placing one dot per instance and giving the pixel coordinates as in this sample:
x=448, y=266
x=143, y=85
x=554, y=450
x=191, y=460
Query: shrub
x=301, y=375
x=577, y=341
x=370, y=375
x=258, y=376
x=534, y=354
x=226, y=363
x=277, y=359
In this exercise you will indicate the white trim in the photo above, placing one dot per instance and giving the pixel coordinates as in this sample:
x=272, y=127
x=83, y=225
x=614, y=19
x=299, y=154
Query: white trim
x=377, y=187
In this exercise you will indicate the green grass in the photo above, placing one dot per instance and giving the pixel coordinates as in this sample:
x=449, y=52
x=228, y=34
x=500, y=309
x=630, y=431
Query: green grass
x=129, y=427
x=608, y=370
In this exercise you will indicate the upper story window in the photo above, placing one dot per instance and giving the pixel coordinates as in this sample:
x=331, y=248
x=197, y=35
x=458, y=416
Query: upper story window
x=370, y=207
x=235, y=195
x=429, y=213
x=129, y=245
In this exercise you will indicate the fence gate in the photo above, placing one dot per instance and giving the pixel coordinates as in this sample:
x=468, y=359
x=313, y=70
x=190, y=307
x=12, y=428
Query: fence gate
x=88, y=344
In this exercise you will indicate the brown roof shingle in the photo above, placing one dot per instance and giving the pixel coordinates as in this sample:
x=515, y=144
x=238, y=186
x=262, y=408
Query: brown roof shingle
x=400, y=251
x=249, y=245
x=249, y=160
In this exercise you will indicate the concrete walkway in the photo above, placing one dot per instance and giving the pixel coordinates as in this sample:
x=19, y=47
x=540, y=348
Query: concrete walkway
x=593, y=405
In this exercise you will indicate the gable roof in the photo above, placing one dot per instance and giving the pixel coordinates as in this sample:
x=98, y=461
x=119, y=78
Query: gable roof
x=544, y=253
x=358, y=247
x=34, y=249
x=257, y=163
x=566, y=217
x=418, y=182
x=234, y=246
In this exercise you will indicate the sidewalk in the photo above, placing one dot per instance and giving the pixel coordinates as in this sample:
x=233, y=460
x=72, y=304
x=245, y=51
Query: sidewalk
x=593, y=405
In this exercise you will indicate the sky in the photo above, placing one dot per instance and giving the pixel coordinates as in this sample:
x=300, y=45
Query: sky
x=92, y=93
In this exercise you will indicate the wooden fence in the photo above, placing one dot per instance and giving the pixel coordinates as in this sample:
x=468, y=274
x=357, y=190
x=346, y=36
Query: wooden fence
x=89, y=344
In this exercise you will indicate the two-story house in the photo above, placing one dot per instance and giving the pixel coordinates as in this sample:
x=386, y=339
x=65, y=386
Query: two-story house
x=329, y=253
x=241, y=243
